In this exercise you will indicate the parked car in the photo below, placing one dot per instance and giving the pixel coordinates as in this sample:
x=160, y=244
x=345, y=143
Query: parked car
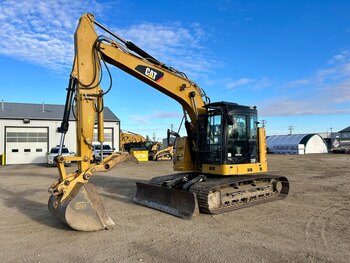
x=107, y=150
x=54, y=152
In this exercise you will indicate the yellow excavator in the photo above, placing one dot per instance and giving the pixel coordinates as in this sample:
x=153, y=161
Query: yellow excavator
x=165, y=154
x=128, y=138
x=221, y=162
x=135, y=144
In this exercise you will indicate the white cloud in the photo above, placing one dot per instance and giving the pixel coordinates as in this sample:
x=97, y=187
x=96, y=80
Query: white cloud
x=342, y=57
x=299, y=82
x=41, y=32
x=258, y=83
x=173, y=44
x=147, y=119
x=327, y=91
x=232, y=84
x=285, y=106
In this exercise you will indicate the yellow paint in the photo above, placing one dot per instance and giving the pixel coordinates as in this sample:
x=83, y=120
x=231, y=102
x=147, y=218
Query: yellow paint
x=141, y=156
x=182, y=156
x=80, y=206
x=90, y=119
x=234, y=169
x=262, y=144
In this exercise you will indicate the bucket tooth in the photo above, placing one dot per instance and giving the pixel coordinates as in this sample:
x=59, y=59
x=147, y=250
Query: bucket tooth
x=179, y=203
x=82, y=210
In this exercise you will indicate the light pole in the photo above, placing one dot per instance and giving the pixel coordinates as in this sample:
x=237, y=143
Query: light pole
x=290, y=128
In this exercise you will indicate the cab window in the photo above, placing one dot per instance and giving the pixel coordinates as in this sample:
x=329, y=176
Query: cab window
x=253, y=127
x=238, y=129
x=214, y=139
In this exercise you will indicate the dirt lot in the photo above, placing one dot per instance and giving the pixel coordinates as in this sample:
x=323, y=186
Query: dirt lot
x=311, y=225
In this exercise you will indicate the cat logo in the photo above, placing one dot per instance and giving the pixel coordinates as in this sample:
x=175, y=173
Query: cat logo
x=151, y=73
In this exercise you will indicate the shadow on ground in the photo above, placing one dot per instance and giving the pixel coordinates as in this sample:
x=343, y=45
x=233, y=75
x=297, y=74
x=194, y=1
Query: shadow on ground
x=34, y=210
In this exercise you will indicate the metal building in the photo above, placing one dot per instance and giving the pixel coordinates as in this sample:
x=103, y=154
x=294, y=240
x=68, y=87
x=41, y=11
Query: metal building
x=29, y=131
x=296, y=144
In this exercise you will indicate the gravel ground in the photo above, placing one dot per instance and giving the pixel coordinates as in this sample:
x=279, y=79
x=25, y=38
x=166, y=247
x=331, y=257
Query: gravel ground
x=311, y=225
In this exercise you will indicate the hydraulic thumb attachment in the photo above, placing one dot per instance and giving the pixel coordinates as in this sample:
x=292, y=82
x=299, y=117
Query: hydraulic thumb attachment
x=75, y=201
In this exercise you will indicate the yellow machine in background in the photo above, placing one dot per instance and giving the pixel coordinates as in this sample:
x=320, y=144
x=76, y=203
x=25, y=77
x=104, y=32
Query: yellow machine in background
x=140, y=154
x=134, y=144
x=222, y=160
x=128, y=138
x=164, y=154
x=143, y=149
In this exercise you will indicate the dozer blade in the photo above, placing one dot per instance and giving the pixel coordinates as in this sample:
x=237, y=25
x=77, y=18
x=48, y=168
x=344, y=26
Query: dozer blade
x=175, y=202
x=82, y=210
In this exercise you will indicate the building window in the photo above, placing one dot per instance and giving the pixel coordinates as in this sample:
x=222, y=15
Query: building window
x=26, y=137
x=345, y=135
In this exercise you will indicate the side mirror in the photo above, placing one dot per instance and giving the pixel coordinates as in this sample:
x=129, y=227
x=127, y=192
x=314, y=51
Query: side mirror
x=168, y=137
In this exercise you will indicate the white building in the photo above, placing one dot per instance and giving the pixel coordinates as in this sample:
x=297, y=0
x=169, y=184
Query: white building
x=296, y=144
x=29, y=131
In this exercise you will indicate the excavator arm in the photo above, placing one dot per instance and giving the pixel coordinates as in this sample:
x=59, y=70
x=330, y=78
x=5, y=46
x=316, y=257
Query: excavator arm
x=72, y=199
x=128, y=57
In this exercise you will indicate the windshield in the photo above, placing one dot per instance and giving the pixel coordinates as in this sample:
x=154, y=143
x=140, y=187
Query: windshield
x=238, y=130
x=241, y=138
x=55, y=150
x=105, y=147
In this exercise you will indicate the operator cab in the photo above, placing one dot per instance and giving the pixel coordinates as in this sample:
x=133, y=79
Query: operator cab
x=228, y=134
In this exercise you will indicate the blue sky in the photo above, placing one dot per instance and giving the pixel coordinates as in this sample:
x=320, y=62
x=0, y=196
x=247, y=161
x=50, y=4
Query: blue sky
x=289, y=58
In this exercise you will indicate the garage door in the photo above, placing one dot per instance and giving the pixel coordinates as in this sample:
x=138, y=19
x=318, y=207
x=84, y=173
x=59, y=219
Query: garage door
x=26, y=145
x=108, y=136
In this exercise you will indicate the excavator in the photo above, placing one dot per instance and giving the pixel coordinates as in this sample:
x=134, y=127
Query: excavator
x=165, y=154
x=130, y=140
x=221, y=162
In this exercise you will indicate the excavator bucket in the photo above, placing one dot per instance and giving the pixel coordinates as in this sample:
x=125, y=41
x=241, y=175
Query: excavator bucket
x=82, y=210
x=175, y=202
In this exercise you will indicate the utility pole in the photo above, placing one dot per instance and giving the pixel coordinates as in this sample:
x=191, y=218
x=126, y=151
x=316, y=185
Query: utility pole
x=331, y=132
x=171, y=127
x=290, y=128
x=154, y=137
x=263, y=122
